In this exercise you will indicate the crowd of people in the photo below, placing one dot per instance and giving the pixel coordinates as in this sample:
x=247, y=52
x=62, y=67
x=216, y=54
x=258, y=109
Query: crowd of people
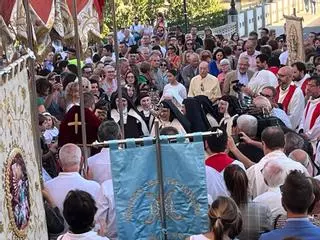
x=261, y=171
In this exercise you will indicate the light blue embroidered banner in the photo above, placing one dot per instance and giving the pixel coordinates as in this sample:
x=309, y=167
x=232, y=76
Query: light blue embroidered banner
x=136, y=189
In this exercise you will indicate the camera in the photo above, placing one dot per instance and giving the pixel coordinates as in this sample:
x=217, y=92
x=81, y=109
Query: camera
x=237, y=87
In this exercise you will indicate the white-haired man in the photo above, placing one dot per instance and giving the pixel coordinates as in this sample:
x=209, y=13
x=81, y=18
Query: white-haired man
x=274, y=176
x=69, y=179
x=302, y=157
x=248, y=125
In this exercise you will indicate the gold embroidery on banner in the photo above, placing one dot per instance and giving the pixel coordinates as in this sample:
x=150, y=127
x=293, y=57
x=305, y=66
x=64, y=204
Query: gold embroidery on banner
x=172, y=187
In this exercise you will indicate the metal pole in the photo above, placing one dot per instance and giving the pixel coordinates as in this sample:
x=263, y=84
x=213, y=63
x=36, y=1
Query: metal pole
x=33, y=92
x=115, y=37
x=161, y=182
x=185, y=13
x=82, y=113
x=141, y=140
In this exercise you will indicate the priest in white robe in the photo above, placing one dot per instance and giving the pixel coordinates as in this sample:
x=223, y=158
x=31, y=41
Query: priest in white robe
x=262, y=78
x=310, y=122
x=289, y=96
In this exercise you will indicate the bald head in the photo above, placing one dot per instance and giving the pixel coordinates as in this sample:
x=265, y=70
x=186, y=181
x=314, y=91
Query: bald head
x=203, y=69
x=285, y=76
x=70, y=156
x=262, y=103
x=274, y=174
x=302, y=157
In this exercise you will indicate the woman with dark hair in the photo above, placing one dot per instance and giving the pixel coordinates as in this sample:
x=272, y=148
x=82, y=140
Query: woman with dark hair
x=211, y=111
x=173, y=58
x=195, y=114
x=256, y=217
x=44, y=89
x=79, y=209
x=131, y=79
x=214, y=65
x=174, y=90
x=235, y=37
x=209, y=44
x=134, y=125
x=225, y=221
x=170, y=116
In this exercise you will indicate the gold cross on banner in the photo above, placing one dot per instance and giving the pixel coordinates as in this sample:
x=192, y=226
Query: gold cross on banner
x=76, y=123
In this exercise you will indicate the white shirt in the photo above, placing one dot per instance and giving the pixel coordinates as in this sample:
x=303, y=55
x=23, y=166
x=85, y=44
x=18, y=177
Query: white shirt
x=262, y=79
x=272, y=198
x=120, y=36
x=178, y=91
x=295, y=107
x=314, y=132
x=106, y=214
x=257, y=186
x=83, y=236
x=136, y=28
x=300, y=83
x=243, y=78
x=284, y=57
x=59, y=187
x=49, y=134
x=100, y=166
x=279, y=113
x=215, y=184
x=199, y=237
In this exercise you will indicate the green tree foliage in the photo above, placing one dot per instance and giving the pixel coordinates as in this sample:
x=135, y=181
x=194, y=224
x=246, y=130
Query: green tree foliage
x=206, y=12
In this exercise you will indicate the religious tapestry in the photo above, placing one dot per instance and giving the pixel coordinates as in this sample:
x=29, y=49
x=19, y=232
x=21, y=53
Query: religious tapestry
x=50, y=20
x=22, y=214
x=294, y=33
x=136, y=189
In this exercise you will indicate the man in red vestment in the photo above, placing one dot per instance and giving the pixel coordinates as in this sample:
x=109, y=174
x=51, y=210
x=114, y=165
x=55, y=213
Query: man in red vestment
x=70, y=128
x=310, y=122
x=215, y=147
x=290, y=96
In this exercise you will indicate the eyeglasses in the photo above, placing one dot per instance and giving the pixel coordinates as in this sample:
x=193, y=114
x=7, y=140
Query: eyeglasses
x=202, y=87
x=239, y=49
x=265, y=95
x=163, y=65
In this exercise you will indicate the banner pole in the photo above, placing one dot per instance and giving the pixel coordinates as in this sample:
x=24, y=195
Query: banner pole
x=116, y=52
x=32, y=92
x=141, y=140
x=82, y=113
x=161, y=182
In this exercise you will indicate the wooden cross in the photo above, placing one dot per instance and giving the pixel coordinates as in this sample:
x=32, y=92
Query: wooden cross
x=76, y=123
